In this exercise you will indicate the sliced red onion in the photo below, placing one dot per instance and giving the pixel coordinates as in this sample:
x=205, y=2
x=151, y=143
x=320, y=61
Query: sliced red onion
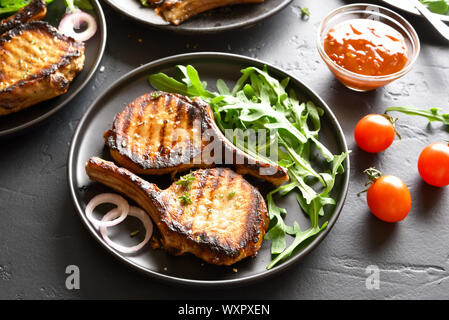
x=122, y=209
x=72, y=21
x=135, y=212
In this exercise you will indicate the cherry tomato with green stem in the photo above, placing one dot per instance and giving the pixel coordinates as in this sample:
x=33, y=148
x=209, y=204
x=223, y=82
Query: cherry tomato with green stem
x=433, y=164
x=375, y=132
x=387, y=196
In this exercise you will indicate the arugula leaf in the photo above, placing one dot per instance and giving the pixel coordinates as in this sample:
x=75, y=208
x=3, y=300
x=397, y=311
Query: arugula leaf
x=12, y=3
x=81, y=4
x=278, y=229
x=433, y=114
x=10, y=9
x=165, y=83
x=259, y=101
x=11, y=6
x=191, y=85
x=84, y=4
x=300, y=237
x=437, y=6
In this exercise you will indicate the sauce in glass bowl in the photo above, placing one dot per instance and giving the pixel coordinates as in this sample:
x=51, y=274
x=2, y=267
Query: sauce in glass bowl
x=367, y=47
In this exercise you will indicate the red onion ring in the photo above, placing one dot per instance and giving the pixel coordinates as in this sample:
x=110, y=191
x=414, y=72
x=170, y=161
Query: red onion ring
x=120, y=202
x=72, y=21
x=135, y=212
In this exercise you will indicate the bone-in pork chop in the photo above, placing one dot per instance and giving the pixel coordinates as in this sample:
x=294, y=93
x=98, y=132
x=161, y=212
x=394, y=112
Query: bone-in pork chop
x=37, y=63
x=215, y=214
x=177, y=11
x=162, y=133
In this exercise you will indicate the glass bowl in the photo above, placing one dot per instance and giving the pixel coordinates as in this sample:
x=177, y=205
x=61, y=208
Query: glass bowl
x=354, y=80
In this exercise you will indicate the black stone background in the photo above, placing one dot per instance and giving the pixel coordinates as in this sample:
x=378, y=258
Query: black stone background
x=40, y=232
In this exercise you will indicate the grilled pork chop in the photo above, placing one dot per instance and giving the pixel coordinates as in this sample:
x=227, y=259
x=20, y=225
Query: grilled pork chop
x=219, y=217
x=162, y=133
x=36, y=10
x=37, y=63
x=178, y=11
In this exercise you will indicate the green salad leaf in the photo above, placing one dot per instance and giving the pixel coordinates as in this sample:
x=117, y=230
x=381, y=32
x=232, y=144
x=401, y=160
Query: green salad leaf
x=84, y=4
x=262, y=103
x=11, y=6
x=437, y=6
x=145, y=3
x=433, y=114
x=81, y=4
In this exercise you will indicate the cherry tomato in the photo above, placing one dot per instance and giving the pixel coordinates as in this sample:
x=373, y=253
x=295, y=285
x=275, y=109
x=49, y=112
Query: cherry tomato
x=433, y=164
x=374, y=133
x=389, y=199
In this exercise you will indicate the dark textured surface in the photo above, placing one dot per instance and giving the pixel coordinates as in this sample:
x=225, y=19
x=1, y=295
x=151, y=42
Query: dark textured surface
x=40, y=233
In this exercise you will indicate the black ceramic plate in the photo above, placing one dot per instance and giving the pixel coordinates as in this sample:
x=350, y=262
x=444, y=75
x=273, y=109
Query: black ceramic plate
x=19, y=121
x=187, y=269
x=408, y=6
x=220, y=19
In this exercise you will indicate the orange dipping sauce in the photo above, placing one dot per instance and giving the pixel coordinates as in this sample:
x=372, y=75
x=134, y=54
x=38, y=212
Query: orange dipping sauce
x=366, y=47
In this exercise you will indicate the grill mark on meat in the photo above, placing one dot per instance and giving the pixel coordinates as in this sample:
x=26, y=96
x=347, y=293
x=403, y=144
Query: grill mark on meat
x=187, y=125
x=215, y=186
x=126, y=129
x=191, y=116
x=158, y=108
x=179, y=110
x=201, y=187
x=136, y=147
x=149, y=131
x=163, y=150
x=177, y=147
x=138, y=127
x=253, y=219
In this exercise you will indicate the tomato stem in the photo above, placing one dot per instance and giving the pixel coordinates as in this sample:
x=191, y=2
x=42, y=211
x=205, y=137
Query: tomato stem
x=373, y=174
x=393, y=122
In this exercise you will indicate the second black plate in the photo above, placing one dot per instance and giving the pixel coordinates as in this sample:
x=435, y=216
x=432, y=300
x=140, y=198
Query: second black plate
x=213, y=21
x=88, y=141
